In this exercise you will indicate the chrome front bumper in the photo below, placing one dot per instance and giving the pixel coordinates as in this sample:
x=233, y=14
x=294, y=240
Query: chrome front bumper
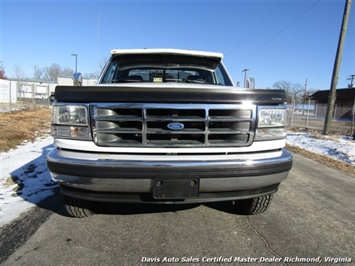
x=134, y=174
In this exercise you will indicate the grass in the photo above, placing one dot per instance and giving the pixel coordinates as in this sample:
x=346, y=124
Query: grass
x=23, y=125
x=28, y=124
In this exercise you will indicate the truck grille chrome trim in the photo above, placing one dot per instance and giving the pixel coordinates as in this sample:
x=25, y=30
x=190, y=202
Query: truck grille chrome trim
x=172, y=125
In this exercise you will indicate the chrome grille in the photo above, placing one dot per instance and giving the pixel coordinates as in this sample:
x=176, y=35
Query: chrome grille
x=135, y=124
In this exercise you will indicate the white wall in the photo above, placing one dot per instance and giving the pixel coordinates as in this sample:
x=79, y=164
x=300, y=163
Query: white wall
x=7, y=88
x=65, y=81
x=36, y=89
x=69, y=82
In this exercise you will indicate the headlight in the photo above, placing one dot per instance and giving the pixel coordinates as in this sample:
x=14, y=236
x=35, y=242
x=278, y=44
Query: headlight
x=75, y=115
x=272, y=118
x=71, y=121
x=271, y=124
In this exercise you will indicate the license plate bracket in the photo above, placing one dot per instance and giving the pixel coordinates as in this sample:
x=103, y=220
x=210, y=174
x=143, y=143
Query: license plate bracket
x=175, y=188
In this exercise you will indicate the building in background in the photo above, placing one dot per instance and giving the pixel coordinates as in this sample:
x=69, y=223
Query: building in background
x=14, y=90
x=344, y=104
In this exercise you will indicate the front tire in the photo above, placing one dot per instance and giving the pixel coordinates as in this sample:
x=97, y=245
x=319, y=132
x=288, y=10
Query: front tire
x=77, y=208
x=252, y=206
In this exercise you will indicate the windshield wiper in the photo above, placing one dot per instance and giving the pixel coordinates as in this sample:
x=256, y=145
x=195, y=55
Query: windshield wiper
x=126, y=80
x=200, y=81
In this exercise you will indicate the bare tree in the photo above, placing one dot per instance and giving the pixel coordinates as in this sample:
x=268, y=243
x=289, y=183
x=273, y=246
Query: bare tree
x=90, y=76
x=293, y=90
x=21, y=77
x=282, y=85
x=296, y=91
x=20, y=74
x=2, y=71
x=37, y=73
x=66, y=72
x=52, y=73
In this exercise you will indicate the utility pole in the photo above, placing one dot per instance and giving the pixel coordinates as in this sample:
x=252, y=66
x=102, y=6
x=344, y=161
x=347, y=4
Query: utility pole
x=76, y=62
x=304, y=96
x=245, y=76
x=351, y=78
x=338, y=57
x=35, y=74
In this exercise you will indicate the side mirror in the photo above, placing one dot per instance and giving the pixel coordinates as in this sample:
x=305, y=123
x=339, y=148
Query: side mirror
x=52, y=97
x=77, y=79
x=250, y=83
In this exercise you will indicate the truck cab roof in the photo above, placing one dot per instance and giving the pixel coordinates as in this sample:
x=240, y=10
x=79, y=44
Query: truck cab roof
x=167, y=51
x=164, y=59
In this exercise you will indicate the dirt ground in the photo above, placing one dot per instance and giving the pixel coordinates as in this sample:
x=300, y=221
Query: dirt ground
x=23, y=125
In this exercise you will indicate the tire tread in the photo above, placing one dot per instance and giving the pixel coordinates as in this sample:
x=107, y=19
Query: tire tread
x=77, y=208
x=253, y=206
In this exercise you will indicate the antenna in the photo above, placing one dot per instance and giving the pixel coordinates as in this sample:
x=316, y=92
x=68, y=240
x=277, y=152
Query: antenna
x=98, y=39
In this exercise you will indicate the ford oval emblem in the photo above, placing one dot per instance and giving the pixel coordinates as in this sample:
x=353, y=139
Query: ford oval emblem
x=176, y=126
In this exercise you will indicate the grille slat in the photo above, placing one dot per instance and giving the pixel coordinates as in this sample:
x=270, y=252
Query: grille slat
x=172, y=125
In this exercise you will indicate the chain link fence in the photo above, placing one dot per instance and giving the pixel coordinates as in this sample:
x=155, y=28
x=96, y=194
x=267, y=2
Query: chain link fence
x=16, y=95
x=312, y=117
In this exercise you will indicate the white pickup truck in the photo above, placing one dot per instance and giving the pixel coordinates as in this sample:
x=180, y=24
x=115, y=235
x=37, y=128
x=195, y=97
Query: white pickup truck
x=168, y=126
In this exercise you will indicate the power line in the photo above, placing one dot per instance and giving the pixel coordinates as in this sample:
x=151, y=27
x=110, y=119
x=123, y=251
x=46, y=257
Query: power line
x=256, y=28
x=277, y=34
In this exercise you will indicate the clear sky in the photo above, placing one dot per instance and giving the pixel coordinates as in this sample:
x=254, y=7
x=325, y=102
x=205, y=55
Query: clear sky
x=291, y=40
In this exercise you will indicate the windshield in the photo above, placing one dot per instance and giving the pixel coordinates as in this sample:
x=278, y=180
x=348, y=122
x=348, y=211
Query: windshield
x=164, y=73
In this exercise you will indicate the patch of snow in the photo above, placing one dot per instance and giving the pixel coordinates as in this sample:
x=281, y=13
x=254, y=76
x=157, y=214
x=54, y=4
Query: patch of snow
x=340, y=148
x=24, y=179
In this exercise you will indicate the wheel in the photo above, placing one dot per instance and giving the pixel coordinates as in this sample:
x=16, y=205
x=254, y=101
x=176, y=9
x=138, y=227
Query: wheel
x=252, y=206
x=77, y=208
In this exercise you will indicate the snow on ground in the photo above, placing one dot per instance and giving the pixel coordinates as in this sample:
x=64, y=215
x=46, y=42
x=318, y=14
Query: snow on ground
x=340, y=147
x=31, y=181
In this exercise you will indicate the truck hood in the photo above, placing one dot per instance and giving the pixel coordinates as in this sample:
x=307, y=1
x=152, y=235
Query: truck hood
x=167, y=93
